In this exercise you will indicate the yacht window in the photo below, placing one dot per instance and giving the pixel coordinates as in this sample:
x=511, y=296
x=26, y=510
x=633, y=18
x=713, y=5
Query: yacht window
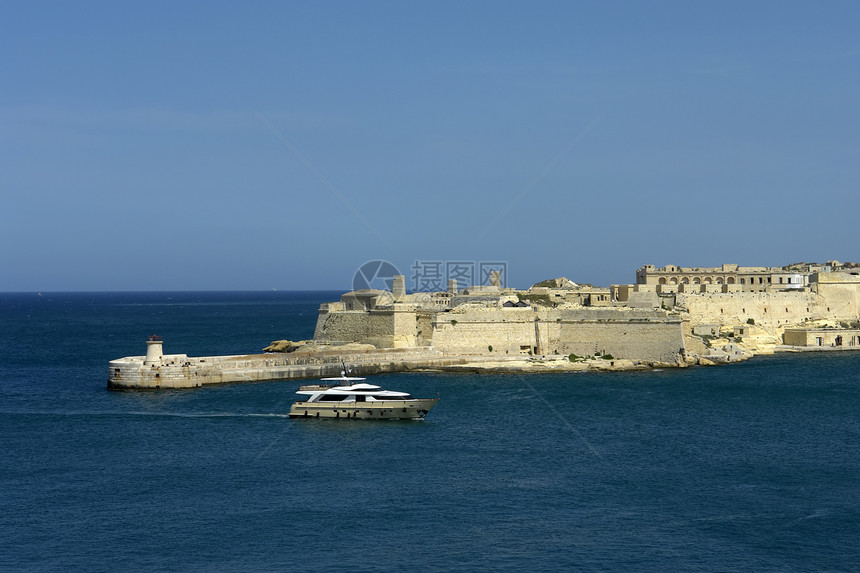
x=331, y=398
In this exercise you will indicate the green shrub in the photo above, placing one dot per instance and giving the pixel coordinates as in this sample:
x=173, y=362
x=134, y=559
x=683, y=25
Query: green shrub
x=539, y=299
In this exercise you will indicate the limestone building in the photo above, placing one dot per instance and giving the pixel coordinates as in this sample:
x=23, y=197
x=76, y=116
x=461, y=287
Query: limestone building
x=746, y=279
x=820, y=337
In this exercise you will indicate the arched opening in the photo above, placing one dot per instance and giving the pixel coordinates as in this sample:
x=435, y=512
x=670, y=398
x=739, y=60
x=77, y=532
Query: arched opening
x=662, y=280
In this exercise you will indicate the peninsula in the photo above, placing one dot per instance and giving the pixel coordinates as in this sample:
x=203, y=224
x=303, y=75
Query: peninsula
x=671, y=317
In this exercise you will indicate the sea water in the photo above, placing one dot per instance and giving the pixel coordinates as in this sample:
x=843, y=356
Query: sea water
x=754, y=466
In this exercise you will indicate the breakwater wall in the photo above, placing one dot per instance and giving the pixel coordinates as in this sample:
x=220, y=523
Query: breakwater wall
x=159, y=371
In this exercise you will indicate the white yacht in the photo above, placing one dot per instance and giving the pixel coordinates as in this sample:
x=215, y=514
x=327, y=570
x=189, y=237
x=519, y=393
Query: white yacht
x=349, y=397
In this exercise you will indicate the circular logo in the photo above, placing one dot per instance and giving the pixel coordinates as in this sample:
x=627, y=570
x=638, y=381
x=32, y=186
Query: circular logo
x=375, y=275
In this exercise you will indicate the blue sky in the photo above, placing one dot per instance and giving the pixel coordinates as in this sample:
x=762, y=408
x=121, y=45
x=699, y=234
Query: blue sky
x=577, y=139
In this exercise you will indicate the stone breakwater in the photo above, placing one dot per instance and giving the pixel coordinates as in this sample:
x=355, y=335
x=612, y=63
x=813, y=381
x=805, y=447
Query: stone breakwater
x=156, y=371
x=181, y=371
x=173, y=371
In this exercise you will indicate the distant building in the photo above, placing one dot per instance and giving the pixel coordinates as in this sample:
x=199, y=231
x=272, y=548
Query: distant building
x=821, y=337
x=747, y=279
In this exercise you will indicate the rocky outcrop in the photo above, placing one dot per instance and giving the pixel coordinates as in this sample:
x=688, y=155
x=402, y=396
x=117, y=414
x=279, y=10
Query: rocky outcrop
x=285, y=346
x=561, y=282
x=311, y=346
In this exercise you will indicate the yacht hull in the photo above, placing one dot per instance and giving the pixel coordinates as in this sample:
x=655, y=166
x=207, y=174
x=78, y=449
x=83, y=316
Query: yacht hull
x=382, y=410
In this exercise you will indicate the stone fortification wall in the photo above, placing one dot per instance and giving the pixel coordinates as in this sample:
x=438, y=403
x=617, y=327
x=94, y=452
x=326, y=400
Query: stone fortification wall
x=326, y=310
x=768, y=309
x=405, y=325
x=372, y=327
x=645, y=340
x=841, y=291
x=635, y=334
x=474, y=331
x=424, y=328
x=604, y=314
x=646, y=335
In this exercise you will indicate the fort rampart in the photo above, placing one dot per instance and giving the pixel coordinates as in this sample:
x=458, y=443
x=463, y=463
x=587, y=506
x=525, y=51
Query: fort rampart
x=646, y=335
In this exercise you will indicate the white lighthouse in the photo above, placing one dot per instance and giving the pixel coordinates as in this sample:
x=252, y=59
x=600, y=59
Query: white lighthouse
x=154, y=350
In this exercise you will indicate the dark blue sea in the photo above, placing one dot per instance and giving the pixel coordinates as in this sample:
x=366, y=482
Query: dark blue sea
x=751, y=467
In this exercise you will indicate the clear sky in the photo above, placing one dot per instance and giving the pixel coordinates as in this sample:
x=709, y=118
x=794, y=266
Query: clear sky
x=150, y=145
